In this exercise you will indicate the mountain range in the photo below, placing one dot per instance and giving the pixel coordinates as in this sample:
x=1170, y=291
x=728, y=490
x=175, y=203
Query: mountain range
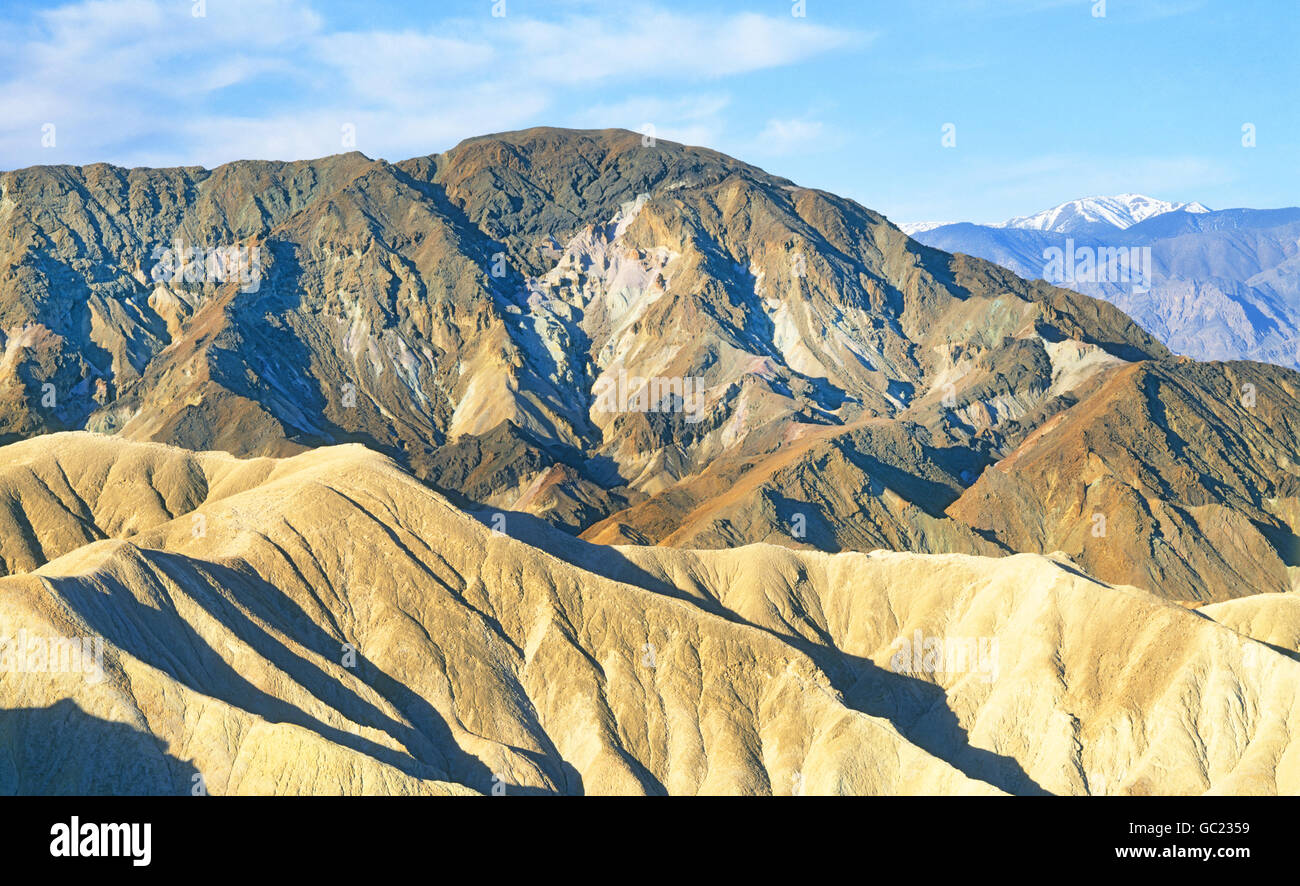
x=1081, y=216
x=1219, y=285
x=508, y=420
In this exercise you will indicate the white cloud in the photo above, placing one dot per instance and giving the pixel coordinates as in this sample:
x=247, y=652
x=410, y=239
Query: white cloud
x=144, y=81
x=784, y=137
x=646, y=42
x=696, y=119
x=1007, y=189
x=391, y=67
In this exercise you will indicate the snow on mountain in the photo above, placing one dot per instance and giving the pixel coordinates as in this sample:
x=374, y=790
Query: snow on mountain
x=1224, y=284
x=1121, y=211
x=912, y=228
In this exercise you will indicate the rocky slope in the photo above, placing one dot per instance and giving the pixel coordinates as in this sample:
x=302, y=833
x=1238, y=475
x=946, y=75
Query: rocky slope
x=251, y=646
x=1180, y=477
x=638, y=343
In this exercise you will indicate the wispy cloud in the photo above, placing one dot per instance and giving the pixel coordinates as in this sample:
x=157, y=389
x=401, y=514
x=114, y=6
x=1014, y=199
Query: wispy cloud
x=785, y=137
x=695, y=118
x=1038, y=182
x=143, y=81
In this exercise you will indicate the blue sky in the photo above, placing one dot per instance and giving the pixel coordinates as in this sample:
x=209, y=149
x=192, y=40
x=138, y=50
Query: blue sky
x=1048, y=100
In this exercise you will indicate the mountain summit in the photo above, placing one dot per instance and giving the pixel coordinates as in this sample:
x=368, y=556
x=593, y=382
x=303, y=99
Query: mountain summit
x=1082, y=216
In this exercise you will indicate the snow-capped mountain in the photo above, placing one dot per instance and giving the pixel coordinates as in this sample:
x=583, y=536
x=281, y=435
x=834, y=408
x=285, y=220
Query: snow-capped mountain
x=1079, y=216
x=911, y=229
x=1223, y=283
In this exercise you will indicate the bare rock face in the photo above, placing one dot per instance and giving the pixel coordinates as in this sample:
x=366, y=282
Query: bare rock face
x=637, y=343
x=326, y=623
x=1179, y=476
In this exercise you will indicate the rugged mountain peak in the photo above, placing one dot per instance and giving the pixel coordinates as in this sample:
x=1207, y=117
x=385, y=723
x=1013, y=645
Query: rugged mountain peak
x=1081, y=216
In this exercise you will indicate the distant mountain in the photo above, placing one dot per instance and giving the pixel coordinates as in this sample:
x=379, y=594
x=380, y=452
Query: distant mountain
x=1218, y=285
x=1087, y=215
x=914, y=228
x=1084, y=216
x=649, y=345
